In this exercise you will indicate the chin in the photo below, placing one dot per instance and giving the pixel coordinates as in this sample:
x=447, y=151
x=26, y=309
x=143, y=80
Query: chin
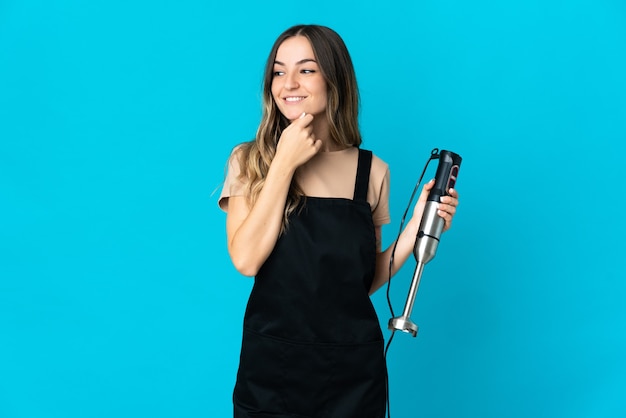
x=292, y=115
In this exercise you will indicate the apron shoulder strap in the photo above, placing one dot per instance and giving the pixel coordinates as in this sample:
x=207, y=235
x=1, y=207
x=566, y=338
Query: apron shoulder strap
x=363, y=175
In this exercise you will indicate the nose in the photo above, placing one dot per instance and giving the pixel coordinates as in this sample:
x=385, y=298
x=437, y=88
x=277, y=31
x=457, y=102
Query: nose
x=291, y=81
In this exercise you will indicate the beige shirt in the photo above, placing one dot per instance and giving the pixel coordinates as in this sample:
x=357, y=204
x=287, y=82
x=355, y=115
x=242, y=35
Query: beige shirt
x=327, y=174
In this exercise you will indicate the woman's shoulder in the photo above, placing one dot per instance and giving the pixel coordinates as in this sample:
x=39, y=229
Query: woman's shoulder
x=239, y=149
x=239, y=157
x=379, y=166
x=376, y=160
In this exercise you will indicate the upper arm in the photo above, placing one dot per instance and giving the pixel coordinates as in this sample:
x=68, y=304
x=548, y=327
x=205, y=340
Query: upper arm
x=236, y=212
x=379, y=238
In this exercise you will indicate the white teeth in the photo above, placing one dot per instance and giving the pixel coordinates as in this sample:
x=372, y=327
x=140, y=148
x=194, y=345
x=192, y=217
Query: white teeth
x=293, y=99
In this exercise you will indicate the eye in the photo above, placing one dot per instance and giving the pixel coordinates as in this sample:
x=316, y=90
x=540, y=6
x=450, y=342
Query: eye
x=278, y=73
x=308, y=71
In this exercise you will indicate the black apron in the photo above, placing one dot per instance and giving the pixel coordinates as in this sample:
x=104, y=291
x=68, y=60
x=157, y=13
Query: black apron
x=312, y=345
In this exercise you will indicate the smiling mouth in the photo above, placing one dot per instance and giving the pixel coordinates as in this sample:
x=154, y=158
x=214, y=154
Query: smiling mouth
x=294, y=99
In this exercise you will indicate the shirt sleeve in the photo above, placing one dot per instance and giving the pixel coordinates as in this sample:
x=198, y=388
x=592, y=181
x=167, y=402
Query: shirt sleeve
x=233, y=186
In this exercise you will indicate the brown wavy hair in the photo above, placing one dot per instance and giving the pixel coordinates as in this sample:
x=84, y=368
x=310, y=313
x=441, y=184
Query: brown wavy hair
x=342, y=110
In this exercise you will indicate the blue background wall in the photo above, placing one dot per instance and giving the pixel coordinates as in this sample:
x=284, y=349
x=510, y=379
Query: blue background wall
x=117, y=297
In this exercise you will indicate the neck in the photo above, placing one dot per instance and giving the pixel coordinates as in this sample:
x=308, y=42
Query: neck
x=321, y=131
x=328, y=146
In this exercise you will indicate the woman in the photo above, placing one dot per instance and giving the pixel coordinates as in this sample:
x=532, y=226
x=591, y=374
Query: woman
x=305, y=206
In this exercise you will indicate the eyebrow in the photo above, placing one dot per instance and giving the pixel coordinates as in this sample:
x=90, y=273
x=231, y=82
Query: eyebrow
x=299, y=62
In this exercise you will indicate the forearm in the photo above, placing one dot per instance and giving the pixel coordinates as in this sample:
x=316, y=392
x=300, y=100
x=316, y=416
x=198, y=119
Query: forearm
x=403, y=250
x=252, y=239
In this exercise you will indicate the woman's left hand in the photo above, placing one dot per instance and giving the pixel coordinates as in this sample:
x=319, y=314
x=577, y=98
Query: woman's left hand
x=404, y=246
x=447, y=205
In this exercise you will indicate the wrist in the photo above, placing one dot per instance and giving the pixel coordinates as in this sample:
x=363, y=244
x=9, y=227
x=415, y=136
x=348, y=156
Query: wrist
x=282, y=167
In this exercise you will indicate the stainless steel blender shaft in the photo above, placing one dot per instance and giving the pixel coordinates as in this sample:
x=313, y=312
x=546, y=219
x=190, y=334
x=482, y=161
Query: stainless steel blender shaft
x=424, y=250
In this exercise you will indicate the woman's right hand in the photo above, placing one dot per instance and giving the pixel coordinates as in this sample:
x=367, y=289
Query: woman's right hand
x=297, y=145
x=253, y=231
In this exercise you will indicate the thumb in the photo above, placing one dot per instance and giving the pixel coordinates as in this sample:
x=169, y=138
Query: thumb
x=426, y=189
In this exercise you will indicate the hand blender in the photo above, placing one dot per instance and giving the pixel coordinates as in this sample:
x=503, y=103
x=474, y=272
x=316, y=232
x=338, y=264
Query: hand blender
x=428, y=234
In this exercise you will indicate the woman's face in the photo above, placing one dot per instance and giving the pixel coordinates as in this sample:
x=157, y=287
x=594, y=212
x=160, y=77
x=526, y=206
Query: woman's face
x=297, y=84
